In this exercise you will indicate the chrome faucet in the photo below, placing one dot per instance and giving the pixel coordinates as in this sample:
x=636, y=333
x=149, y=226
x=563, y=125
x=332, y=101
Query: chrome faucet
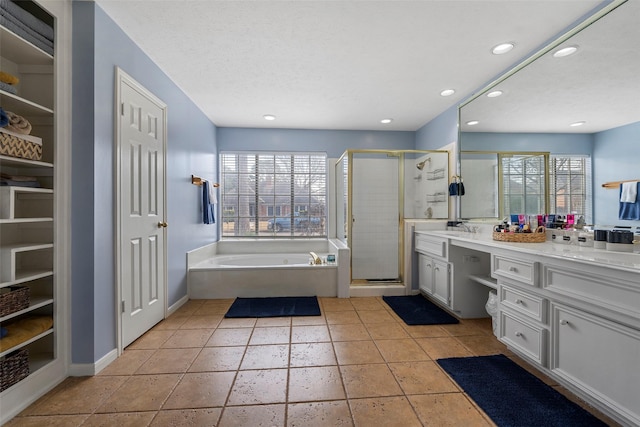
x=466, y=228
x=316, y=258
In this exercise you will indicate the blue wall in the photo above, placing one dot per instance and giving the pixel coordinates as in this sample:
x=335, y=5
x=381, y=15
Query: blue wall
x=616, y=154
x=99, y=45
x=554, y=143
x=438, y=132
x=333, y=142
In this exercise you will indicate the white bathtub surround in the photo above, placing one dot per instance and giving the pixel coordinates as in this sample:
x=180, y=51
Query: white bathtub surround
x=266, y=268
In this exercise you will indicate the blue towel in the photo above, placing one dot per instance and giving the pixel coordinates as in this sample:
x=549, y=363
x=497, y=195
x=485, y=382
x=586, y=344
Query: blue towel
x=207, y=207
x=630, y=211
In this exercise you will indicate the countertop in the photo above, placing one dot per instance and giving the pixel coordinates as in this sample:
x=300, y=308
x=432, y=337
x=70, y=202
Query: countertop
x=618, y=260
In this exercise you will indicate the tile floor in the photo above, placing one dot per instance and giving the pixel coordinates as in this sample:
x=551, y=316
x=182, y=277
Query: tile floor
x=356, y=365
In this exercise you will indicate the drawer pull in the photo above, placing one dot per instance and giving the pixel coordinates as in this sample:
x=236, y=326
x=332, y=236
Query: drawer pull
x=518, y=334
x=437, y=268
x=564, y=322
x=519, y=301
x=513, y=269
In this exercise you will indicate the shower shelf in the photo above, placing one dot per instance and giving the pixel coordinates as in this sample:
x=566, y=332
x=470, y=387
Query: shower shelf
x=437, y=197
x=435, y=174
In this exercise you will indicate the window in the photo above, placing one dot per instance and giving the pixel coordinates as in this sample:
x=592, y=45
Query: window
x=523, y=184
x=570, y=186
x=274, y=194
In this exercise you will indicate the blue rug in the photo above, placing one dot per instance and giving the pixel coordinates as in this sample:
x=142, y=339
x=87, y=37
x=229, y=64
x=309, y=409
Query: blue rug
x=274, y=307
x=511, y=396
x=417, y=310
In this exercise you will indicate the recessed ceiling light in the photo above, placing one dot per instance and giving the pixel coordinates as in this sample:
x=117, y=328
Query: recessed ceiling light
x=502, y=48
x=386, y=121
x=269, y=117
x=494, y=93
x=472, y=122
x=447, y=92
x=565, y=51
x=576, y=124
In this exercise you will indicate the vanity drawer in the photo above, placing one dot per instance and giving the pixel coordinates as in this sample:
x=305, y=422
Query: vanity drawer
x=431, y=245
x=523, y=336
x=530, y=305
x=515, y=269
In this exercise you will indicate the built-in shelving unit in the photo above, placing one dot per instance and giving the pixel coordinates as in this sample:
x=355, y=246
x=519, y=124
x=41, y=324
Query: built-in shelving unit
x=27, y=215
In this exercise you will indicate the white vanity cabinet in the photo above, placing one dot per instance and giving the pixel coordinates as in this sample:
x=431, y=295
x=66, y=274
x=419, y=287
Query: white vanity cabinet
x=434, y=269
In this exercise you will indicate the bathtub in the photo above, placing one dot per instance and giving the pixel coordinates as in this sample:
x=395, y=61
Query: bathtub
x=230, y=269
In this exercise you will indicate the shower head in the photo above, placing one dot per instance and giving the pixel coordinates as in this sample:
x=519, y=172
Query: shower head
x=420, y=165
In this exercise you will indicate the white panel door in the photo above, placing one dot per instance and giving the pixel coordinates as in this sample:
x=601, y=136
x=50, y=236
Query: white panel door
x=142, y=210
x=375, y=223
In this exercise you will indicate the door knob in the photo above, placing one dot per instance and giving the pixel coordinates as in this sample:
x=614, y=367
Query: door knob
x=162, y=224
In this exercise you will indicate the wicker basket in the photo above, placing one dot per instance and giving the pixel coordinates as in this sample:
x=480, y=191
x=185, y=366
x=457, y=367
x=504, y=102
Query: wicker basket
x=537, y=237
x=13, y=368
x=14, y=298
x=18, y=145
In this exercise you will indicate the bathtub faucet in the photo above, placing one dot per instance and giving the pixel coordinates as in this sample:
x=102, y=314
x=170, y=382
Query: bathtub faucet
x=316, y=258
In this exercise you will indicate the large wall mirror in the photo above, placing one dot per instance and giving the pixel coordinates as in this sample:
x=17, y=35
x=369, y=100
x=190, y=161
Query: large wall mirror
x=582, y=102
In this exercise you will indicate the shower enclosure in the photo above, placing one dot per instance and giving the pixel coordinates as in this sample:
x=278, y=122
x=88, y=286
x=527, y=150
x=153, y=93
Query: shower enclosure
x=376, y=191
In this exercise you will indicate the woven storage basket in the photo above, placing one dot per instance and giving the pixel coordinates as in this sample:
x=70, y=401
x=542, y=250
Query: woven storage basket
x=18, y=145
x=13, y=368
x=520, y=237
x=14, y=298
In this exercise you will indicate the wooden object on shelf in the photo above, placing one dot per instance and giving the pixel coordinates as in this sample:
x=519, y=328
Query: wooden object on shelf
x=14, y=298
x=21, y=146
x=13, y=368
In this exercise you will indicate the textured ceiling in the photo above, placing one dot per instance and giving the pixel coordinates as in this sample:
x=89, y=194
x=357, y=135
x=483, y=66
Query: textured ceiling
x=336, y=64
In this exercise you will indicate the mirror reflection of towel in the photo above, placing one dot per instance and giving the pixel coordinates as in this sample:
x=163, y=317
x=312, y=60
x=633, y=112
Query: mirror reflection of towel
x=207, y=207
x=628, y=210
x=629, y=192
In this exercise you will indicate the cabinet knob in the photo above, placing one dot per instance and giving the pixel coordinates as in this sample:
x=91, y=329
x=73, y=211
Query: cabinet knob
x=564, y=322
x=162, y=224
x=518, y=301
x=513, y=269
x=437, y=268
x=518, y=334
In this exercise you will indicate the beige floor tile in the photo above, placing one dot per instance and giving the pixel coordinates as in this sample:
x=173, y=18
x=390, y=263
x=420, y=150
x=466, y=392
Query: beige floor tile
x=172, y=322
x=254, y=416
x=266, y=357
x=169, y=361
x=209, y=309
x=273, y=321
x=308, y=320
x=463, y=328
x=425, y=331
x=438, y=348
x=151, y=340
x=386, y=331
x=48, y=420
x=376, y=316
x=210, y=321
x=482, y=345
x=315, y=383
x=201, y=390
x=357, y=352
x=205, y=417
x=422, y=378
x=312, y=354
x=483, y=324
x=128, y=362
x=127, y=419
x=356, y=332
x=384, y=411
x=188, y=338
x=141, y=393
x=336, y=304
x=270, y=335
x=217, y=359
x=447, y=410
x=372, y=380
x=76, y=395
x=343, y=317
x=367, y=303
x=319, y=414
x=259, y=387
x=312, y=333
x=229, y=337
x=237, y=323
x=189, y=308
x=402, y=350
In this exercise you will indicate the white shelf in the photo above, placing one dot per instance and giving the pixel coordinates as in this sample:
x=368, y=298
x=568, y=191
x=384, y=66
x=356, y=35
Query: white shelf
x=11, y=102
x=34, y=303
x=27, y=276
x=27, y=342
x=18, y=50
x=485, y=280
x=24, y=220
x=8, y=161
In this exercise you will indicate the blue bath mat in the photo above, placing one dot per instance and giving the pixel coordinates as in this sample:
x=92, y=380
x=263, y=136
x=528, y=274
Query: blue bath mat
x=274, y=307
x=511, y=396
x=417, y=310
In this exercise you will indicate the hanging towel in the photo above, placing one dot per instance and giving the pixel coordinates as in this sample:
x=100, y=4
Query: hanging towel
x=207, y=207
x=453, y=189
x=460, y=189
x=629, y=192
x=628, y=210
x=213, y=197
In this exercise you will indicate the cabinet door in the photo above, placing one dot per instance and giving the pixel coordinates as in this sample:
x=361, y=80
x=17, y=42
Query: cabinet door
x=441, y=282
x=599, y=357
x=425, y=275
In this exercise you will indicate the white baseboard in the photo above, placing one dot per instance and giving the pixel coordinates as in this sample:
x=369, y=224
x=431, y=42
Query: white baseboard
x=177, y=305
x=90, y=369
